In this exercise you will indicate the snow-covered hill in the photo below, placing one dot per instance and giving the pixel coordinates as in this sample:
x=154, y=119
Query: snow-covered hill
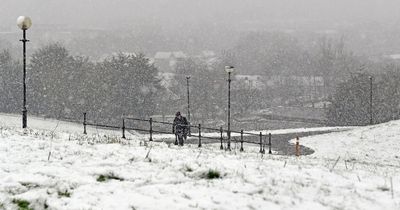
x=63, y=169
x=13, y=120
x=378, y=144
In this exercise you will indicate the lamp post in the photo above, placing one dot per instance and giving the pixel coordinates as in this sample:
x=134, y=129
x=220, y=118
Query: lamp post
x=24, y=23
x=229, y=70
x=371, y=120
x=188, y=101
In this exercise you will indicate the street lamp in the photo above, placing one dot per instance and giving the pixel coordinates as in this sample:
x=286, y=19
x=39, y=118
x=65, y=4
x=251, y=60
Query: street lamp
x=371, y=119
x=229, y=70
x=188, y=101
x=24, y=23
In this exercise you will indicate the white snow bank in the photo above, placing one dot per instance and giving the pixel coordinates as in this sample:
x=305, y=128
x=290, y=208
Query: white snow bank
x=377, y=144
x=34, y=122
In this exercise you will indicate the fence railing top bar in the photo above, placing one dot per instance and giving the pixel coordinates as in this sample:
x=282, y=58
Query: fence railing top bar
x=136, y=129
x=246, y=133
x=209, y=137
x=104, y=126
x=162, y=132
x=232, y=131
x=155, y=121
x=251, y=142
x=136, y=119
x=212, y=129
x=167, y=123
x=254, y=134
x=193, y=126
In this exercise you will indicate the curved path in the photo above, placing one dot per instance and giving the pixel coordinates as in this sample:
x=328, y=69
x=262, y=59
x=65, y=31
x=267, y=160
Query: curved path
x=279, y=142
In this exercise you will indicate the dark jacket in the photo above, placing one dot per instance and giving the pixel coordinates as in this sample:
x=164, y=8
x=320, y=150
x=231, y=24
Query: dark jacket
x=180, y=124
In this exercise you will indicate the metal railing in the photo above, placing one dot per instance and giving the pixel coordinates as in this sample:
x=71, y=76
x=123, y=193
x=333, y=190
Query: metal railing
x=152, y=126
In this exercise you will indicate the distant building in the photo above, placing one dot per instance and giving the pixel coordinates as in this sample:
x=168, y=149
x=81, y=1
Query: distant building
x=166, y=79
x=304, y=81
x=254, y=81
x=260, y=82
x=166, y=61
x=393, y=57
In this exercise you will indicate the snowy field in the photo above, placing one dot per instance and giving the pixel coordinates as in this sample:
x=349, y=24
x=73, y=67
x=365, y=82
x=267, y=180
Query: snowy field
x=49, y=167
x=12, y=120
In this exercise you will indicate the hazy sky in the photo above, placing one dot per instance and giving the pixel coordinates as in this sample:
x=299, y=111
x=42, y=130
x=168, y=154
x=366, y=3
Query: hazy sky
x=103, y=13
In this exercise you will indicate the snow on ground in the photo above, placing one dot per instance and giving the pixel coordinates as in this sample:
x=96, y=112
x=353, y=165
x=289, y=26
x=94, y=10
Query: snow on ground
x=34, y=122
x=13, y=120
x=99, y=171
x=303, y=130
x=377, y=144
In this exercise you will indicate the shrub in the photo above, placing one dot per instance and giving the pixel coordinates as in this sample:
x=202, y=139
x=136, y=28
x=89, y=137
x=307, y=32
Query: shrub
x=213, y=174
x=64, y=194
x=22, y=204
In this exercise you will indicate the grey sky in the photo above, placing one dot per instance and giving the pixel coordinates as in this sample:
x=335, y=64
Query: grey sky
x=97, y=13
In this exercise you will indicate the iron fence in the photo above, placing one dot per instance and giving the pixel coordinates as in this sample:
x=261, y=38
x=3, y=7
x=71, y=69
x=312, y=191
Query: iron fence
x=157, y=127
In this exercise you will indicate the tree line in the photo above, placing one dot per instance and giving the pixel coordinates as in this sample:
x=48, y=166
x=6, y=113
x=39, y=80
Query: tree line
x=357, y=100
x=63, y=86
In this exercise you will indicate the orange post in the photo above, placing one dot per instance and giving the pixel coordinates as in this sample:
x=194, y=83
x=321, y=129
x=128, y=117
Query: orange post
x=297, y=146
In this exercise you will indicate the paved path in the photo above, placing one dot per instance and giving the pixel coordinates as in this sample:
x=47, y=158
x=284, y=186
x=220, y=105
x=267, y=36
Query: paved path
x=280, y=142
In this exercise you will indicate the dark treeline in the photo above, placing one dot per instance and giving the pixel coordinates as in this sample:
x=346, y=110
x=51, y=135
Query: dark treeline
x=351, y=102
x=63, y=86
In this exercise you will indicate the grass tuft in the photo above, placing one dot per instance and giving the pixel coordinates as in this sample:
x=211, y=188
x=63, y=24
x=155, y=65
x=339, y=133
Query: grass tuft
x=101, y=178
x=22, y=204
x=383, y=188
x=213, y=174
x=104, y=178
x=64, y=194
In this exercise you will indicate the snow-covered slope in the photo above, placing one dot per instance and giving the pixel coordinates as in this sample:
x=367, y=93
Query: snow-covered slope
x=13, y=120
x=377, y=144
x=101, y=171
x=34, y=122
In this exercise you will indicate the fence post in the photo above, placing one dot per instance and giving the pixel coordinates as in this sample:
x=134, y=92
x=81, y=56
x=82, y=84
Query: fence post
x=269, y=143
x=297, y=146
x=264, y=143
x=241, y=140
x=123, y=128
x=229, y=140
x=190, y=129
x=84, y=123
x=261, y=148
x=221, y=138
x=199, y=135
x=151, y=129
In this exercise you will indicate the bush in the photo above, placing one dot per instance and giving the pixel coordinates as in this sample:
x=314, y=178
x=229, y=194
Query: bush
x=64, y=194
x=213, y=174
x=22, y=204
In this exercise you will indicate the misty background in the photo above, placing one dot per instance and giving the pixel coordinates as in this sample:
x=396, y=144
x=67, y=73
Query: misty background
x=296, y=58
x=369, y=26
